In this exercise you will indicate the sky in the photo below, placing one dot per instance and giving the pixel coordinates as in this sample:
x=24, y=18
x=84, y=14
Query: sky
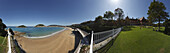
x=67, y=12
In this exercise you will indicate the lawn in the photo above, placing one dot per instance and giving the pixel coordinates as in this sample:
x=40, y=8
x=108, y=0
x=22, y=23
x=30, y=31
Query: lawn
x=3, y=48
x=143, y=40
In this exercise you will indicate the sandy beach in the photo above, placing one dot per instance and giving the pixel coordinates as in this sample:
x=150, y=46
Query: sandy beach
x=62, y=42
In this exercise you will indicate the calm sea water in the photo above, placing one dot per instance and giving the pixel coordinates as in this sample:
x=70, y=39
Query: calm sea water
x=36, y=31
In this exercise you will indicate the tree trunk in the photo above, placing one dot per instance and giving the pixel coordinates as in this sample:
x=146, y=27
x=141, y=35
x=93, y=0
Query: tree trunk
x=159, y=24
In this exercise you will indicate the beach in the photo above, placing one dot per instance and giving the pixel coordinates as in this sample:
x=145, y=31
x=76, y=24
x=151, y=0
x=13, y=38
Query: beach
x=62, y=42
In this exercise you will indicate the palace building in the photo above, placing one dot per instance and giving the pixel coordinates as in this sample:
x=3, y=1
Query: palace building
x=140, y=21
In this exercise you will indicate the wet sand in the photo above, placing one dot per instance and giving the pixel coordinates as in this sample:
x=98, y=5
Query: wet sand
x=62, y=42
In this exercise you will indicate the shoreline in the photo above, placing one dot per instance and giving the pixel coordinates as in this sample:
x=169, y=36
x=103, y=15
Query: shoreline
x=59, y=41
x=47, y=35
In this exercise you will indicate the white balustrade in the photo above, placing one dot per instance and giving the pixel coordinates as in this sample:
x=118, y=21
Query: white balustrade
x=9, y=42
x=101, y=36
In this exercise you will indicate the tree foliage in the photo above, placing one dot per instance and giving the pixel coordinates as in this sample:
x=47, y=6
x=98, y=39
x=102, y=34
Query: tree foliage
x=156, y=12
x=99, y=21
x=119, y=13
x=2, y=28
x=109, y=15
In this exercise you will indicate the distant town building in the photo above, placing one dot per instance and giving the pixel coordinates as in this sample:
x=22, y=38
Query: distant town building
x=143, y=21
x=140, y=21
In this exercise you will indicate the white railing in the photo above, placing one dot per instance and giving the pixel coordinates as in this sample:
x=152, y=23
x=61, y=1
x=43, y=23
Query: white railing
x=9, y=42
x=78, y=48
x=101, y=36
x=91, y=44
x=81, y=32
x=106, y=41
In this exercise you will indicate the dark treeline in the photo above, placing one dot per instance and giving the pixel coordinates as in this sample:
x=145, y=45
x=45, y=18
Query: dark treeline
x=102, y=23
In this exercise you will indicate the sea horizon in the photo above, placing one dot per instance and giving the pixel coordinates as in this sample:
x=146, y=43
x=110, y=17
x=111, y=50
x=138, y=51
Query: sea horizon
x=32, y=31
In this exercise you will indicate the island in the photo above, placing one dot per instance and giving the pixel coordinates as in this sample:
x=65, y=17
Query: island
x=40, y=25
x=55, y=26
x=21, y=26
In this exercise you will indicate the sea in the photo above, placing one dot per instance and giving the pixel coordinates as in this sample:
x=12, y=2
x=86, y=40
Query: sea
x=36, y=31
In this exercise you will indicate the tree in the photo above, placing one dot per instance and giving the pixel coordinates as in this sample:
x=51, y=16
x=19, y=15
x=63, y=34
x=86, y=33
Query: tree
x=99, y=20
x=2, y=24
x=156, y=12
x=108, y=15
x=119, y=14
x=2, y=28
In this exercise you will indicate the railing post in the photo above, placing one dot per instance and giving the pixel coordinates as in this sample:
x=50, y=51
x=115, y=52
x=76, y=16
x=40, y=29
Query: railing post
x=91, y=44
x=9, y=42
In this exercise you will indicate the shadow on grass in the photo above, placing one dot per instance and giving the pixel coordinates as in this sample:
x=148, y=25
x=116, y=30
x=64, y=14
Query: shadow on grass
x=127, y=28
x=162, y=31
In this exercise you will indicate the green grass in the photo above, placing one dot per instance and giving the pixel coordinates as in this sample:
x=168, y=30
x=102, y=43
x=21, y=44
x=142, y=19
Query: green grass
x=3, y=48
x=141, y=41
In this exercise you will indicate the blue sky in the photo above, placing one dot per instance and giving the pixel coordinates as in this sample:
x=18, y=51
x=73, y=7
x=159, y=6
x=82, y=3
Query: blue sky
x=66, y=12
